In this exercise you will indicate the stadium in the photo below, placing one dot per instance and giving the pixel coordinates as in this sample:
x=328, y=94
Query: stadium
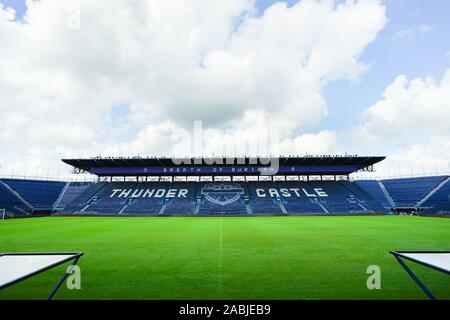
x=231, y=230
x=155, y=186
x=233, y=158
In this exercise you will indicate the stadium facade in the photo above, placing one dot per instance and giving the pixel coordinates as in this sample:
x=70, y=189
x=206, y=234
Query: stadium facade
x=225, y=186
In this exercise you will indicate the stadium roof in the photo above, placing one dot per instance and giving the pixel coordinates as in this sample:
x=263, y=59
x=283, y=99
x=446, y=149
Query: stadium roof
x=221, y=165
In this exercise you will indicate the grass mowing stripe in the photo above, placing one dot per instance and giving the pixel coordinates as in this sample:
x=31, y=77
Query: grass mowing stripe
x=220, y=256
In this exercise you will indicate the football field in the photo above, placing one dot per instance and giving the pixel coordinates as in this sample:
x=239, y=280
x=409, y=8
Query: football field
x=230, y=257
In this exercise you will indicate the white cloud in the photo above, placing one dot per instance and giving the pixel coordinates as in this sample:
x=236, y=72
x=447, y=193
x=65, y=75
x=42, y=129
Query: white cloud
x=411, y=122
x=429, y=157
x=418, y=159
x=173, y=64
x=410, y=109
x=423, y=29
x=408, y=34
x=323, y=142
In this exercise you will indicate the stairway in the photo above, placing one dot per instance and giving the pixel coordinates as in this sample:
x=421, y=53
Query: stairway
x=197, y=208
x=322, y=206
x=123, y=208
x=363, y=207
x=14, y=192
x=163, y=208
x=55, y=206
x=387, y=195
x=283, y=209
x=433, y=191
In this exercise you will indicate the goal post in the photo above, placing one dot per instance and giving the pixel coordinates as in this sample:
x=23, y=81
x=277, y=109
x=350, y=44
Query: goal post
x=2, y=214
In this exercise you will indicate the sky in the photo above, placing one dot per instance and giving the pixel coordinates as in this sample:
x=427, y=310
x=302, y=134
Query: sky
x=118, y=78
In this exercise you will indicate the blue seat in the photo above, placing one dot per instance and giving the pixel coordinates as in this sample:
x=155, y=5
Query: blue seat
x=373, y=189
x=225, y=198
x=72, y=192
x=407, y=192
x=11, y=203
x=439, y=202
x=41, y=195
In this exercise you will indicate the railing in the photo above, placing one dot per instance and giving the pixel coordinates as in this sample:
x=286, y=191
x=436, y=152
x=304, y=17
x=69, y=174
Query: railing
x=385, y=176
x=93, y=178
x=62, y=178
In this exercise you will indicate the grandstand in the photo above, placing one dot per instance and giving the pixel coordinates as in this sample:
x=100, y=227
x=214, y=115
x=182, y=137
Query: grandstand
x=136, y=195
x=22, y=197
x=155, y=186
x=405, y=192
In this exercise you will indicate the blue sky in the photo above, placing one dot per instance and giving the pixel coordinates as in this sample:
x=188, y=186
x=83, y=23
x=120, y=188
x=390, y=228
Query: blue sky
x=415, y=42
x=417, y=55
x=18, y=5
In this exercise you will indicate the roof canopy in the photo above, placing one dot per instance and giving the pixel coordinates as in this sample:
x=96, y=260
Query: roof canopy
x=333, y=165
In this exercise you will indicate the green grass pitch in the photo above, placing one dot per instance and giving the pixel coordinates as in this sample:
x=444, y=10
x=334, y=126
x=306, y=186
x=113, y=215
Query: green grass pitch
x=230, y=257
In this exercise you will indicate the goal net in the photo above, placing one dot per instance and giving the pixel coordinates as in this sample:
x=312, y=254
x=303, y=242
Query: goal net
x=2, y=214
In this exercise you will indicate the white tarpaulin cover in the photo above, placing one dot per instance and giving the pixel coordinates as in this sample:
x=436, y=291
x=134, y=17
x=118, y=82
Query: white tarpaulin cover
x=438, y=260
x=15, y=267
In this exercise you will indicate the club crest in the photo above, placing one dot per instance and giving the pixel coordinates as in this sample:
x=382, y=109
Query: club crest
x=222, y=194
